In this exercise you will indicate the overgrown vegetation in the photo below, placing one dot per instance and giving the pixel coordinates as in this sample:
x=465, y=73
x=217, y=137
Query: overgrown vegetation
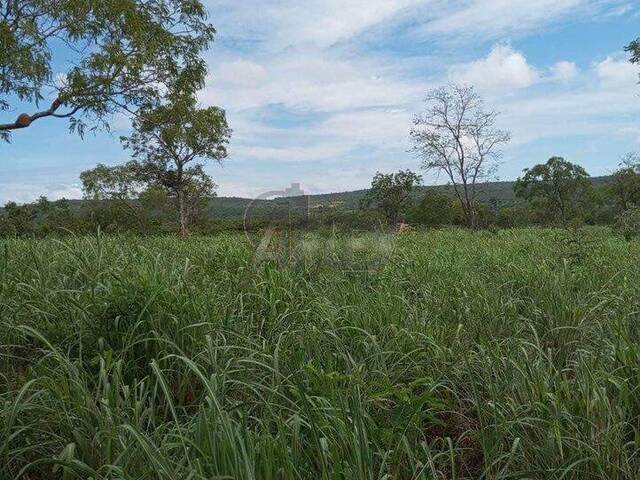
x=452, y=354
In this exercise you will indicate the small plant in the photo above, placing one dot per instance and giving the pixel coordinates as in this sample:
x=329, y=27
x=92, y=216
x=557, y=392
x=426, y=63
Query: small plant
x=628, y=223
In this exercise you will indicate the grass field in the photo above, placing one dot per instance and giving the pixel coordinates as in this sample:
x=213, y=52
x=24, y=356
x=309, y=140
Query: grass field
x=447, y=354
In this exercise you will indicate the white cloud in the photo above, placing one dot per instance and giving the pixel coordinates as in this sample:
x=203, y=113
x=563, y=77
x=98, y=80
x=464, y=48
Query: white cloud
x=504, y=67
x=295, y=153
x=239, y=73
x=327, y=22
x=383, y=127
x=313, y=81
x=322, y=23
x=25, y=193
x=564, y=71
x=618, y=72
x=633, y=132
x=498, y=18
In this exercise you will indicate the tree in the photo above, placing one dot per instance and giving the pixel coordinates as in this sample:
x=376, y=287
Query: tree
x=122, y=55
x=455, y=135
x=558, y=190
x=56, y=217
x=168, y=145
x=625, y=188
x=18, y=220
x=634, y=49
x=434, y=209
x=112, y=192
x=392, y=193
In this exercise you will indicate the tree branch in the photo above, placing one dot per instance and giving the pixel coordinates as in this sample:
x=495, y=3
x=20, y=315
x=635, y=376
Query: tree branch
x=24, y=120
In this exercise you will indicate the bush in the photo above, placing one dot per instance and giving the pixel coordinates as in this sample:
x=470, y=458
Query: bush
x=628, y=223
x=510, y=217
x=434, y=209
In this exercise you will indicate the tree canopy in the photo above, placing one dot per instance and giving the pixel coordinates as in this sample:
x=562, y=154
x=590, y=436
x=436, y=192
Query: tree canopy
x=122, y=56
x=558, y=189
x=169, y=145
x=434, y=209
x=392, y=193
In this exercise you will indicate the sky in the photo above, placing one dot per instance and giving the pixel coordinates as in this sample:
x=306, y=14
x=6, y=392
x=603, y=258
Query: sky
x=322, y=92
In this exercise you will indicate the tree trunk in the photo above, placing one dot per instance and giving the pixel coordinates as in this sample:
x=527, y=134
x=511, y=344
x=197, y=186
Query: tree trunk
x=183, y=215
x=473, y=218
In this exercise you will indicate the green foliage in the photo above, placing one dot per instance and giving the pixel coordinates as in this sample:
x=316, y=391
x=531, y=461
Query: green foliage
x=122, y=56
x=115, y=207
x=557, y=190
x=625, y=186
x=634, y=49
x=511, y=354
x=18, y=220
x=169, y=144
x=510, y=217
x=119, y=182
x=628, y=223
x=434, y=209
x=39, y=219
x=392, y=193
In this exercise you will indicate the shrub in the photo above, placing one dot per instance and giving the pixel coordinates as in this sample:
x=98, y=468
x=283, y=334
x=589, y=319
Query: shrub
x=433, y=210
x=628, y=223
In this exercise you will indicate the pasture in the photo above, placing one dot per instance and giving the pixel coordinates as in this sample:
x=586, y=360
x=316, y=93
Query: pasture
x=441, y=355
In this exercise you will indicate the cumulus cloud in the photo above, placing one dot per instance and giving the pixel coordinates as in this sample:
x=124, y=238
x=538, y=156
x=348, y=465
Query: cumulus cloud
x=504, y=67
x=312, y=81
x=564, y=71
x=618, y=72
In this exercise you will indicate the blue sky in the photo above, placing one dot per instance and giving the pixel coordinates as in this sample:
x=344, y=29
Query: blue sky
x=322, y=92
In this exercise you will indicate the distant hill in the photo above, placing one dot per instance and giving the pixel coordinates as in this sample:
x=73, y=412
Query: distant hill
x=498, y=193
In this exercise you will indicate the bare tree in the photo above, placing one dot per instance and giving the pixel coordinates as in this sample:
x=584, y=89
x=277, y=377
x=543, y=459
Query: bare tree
x=455, y=135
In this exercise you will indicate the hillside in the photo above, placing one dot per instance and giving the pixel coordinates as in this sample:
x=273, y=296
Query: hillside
x=500, y=193
x=497, y=193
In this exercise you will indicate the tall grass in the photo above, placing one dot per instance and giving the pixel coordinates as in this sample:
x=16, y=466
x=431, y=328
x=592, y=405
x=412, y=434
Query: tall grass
x=451, y=355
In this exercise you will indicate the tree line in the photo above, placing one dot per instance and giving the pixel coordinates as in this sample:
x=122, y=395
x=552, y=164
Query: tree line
x=555, y=193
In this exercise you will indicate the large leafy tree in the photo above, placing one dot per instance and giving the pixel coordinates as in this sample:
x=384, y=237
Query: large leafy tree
x=558, y=190
x=457, y=136
x=117, y=55
x=170, y=145
x=392, y=193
